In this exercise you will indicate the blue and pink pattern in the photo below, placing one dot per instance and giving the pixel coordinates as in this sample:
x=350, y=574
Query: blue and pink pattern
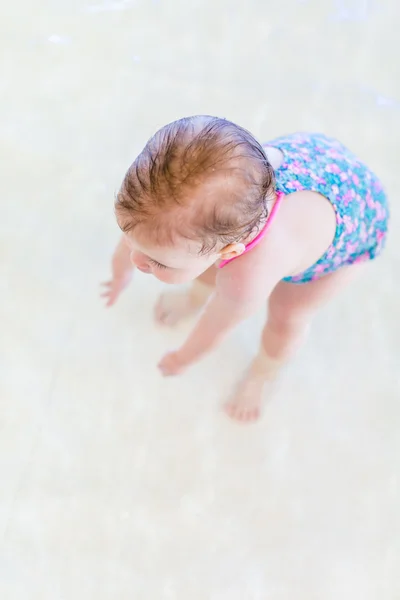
x=321, y=164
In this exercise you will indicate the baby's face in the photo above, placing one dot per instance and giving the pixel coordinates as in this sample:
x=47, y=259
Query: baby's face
x=175, y=264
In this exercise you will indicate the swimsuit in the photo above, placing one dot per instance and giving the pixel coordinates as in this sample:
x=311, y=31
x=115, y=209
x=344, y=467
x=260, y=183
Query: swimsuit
x=317, y=163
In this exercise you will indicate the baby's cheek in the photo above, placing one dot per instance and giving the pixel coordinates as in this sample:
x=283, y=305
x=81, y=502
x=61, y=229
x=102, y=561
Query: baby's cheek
x=166, y=276
x=175, y=276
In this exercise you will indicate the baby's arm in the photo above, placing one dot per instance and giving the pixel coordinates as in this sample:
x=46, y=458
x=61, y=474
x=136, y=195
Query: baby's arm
x=221, y=315
x=242, y=288
x=122, y=270
x=240, y=292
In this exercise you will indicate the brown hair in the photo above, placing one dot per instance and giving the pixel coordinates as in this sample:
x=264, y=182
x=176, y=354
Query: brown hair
x=179, y=159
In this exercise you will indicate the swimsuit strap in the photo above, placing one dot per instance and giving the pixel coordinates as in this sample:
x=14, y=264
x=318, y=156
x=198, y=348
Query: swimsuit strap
x=260, y=236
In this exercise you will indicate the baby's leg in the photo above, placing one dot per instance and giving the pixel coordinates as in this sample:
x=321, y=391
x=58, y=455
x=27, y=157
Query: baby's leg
x=290, y=310
x=174, y=306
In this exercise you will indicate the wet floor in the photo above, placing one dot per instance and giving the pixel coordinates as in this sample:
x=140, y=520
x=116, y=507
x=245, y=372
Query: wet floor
x=116, y=484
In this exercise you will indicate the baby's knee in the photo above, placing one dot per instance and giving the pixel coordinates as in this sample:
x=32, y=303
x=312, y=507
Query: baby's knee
x=288, y=322
x=282, y=339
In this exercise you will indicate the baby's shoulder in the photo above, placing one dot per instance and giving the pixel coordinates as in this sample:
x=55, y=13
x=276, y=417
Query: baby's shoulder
x=302, y=230
x=255, y=273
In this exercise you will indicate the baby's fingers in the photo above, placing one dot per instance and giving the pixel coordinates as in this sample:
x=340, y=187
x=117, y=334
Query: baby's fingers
x=110, y=294
x=108, y=290
x=111, y=298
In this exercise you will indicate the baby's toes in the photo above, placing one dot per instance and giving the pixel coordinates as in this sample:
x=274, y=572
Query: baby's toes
x=171, y=308
x=251, y=415
x=234, y=412
x=243, y=415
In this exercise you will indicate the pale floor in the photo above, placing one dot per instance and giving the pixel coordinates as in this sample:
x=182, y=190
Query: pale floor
x=116, y=484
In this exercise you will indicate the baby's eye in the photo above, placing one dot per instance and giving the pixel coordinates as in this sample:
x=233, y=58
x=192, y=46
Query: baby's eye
x=157, y=264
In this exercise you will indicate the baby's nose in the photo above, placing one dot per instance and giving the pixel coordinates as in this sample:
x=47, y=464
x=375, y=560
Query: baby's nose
x=137, y=259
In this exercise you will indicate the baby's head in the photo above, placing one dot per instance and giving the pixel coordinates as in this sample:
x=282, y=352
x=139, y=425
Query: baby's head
x=196, y=194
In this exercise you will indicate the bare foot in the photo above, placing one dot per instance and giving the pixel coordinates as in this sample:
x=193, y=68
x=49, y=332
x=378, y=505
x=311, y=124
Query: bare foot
x=173, y=307
x=246, y=402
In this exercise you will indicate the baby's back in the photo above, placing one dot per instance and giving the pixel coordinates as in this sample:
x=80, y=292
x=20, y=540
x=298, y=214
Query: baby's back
x=316, y=162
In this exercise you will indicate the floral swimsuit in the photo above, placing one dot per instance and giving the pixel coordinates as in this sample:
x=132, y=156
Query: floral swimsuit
x=317, y=163
x=321, y=164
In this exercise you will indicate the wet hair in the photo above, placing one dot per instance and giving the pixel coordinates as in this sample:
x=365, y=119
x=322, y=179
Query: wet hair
x=162, y=190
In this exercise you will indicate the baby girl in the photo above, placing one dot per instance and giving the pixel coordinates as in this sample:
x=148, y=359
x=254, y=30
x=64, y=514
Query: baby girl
x=285, y=225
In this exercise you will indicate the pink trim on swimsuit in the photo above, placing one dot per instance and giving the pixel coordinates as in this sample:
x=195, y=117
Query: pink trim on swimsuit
x=260, y=236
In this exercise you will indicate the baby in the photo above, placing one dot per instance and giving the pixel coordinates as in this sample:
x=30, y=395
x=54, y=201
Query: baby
x=284, y=226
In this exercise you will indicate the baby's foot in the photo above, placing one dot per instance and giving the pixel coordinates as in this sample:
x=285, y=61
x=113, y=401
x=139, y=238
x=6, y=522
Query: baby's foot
x=246, y=402
x=245, y=405
x=173, y=307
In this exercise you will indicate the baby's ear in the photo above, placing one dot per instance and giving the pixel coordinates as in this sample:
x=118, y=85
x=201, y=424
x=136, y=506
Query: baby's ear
x=232, y=251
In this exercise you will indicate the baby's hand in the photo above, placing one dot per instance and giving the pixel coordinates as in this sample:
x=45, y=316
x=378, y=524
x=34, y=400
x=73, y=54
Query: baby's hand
x=122, y=270
x=115, y=286
x=172, y=364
